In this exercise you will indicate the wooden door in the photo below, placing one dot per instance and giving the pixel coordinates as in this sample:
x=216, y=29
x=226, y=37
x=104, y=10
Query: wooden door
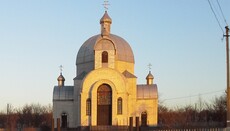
x=143, y=119
x=104, y=105
x=64, y=120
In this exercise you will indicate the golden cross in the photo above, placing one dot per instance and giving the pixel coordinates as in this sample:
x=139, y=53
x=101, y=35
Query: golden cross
x=106, y=4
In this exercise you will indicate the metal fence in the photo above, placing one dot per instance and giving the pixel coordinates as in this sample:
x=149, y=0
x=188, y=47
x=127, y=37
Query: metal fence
x=127, y=128
x=21, y=129
x=109, y=128
x=99, y=128
x=118, y=128
x=192, y=129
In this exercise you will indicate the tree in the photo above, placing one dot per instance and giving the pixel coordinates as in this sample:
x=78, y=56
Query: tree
x=33, y=115
x=202, y=114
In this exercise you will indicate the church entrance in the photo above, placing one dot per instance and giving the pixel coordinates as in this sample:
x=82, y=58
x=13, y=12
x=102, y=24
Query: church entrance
x=104, y=105
x=144, y=119
x=64, y=120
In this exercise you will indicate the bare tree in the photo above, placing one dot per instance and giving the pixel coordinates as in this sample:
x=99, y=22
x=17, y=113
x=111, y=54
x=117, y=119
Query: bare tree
x=202, y=114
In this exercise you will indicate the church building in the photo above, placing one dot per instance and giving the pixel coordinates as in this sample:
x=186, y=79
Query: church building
x=105, y=90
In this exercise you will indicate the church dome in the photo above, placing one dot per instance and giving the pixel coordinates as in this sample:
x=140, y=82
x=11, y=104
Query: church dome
x=150, y=76
x=61, y=77
x=61, y=80
x=123, y=51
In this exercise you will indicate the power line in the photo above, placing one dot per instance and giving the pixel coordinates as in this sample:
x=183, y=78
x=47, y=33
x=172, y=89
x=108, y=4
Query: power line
x=216, y=10
x=183, y=97
x=222, y=12
x=215, y=16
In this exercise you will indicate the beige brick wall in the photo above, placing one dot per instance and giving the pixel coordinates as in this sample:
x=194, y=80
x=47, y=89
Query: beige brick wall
x=119, y=89
x=151, y=107
x=111, y=59
x=121, y=66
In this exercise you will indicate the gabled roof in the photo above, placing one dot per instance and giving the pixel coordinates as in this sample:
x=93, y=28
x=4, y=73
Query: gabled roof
x=127, y=74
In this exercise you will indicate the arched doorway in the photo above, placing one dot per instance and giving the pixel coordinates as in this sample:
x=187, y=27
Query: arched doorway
x=144, y=119
x=104, y=105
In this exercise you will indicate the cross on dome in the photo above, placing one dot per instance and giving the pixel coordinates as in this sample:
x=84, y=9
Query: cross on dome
x=149, y=66
x=61, y=68
x=106, y=4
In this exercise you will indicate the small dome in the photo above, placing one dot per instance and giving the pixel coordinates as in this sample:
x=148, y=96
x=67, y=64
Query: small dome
x=106, y=18
x=149, y=76
x=61, y=78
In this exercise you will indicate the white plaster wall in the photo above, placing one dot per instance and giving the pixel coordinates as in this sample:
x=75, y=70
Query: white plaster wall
x=60, y=107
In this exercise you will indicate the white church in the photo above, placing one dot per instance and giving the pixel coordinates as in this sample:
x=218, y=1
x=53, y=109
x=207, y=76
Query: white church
x=105, y=90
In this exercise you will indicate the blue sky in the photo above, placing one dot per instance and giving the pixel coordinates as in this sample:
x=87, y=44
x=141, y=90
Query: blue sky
x=180, y=38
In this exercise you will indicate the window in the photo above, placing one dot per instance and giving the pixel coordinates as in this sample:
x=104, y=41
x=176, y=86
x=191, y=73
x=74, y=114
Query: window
x=119, y=106
x=104, y=57
x=88, y=107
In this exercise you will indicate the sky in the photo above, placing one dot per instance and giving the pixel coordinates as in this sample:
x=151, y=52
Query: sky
x=180, y=38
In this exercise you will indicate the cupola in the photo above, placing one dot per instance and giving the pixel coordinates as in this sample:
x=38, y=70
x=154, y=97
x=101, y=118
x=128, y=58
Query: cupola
x=149, y=78
x=61, y=80
x=105, y=22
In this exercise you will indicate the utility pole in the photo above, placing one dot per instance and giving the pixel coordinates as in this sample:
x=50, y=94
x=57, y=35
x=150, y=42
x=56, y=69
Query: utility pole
x=228, y=80
x=7, y=116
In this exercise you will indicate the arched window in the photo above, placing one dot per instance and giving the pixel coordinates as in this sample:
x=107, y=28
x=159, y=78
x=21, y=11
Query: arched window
x=119, y=106
x=88, y=107
x=64, y=120
x=104, y=57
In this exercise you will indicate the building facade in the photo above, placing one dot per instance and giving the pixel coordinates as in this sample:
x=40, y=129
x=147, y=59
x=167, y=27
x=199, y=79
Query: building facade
x=105, y=90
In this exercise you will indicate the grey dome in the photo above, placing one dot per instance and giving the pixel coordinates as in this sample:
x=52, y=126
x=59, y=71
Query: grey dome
x=123, y=49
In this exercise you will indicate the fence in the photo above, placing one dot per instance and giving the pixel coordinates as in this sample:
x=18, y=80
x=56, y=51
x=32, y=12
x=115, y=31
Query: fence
x=99, y=128
x=192, y=129
x=109, y=128
x=21, y=129
x=126, y=128
x=120, y=128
